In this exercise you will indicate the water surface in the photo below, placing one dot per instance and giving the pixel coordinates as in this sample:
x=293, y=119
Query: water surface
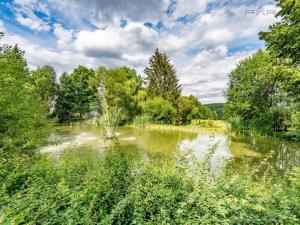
x=158, y=145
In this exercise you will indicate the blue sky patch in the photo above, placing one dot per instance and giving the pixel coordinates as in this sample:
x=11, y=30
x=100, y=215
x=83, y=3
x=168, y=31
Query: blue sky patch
x=171, y=8
x=123, y=23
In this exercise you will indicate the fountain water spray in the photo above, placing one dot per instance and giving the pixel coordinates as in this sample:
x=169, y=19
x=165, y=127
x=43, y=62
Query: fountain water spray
x=109, y=117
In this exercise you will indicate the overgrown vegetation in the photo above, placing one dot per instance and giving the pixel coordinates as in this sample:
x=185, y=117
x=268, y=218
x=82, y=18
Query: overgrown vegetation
x=23, y=111
x=118, y=188
x=263, y=93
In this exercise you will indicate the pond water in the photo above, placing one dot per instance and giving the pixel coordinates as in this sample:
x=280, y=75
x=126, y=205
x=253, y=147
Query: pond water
x=159, y=145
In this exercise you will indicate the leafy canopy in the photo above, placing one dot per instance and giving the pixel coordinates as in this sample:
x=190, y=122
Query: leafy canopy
x=23, y=124
x=283, y=38
x=259, y=94
x=75, y=96
x=159, y=110
x=44, y=79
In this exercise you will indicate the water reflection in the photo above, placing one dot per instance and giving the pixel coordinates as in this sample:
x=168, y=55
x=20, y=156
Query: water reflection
x=280, y=154
x=157, y=145
x=204, y=143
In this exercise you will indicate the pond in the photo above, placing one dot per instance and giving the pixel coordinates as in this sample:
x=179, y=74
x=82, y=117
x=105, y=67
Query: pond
x=158, y=145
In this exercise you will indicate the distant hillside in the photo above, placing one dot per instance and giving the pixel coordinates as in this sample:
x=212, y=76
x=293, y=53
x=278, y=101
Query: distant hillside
x=218, y=108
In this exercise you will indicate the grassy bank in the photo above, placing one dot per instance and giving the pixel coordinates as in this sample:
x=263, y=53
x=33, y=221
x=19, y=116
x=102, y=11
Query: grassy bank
x=197, y=126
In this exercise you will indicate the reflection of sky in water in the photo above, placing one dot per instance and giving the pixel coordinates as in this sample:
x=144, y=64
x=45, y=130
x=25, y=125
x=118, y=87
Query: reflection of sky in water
x=203, y=143
x=281, y=154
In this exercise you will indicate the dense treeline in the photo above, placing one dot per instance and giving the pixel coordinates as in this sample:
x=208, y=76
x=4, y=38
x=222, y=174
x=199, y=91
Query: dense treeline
x=159, y=99
x=76, y=96
x=263, y=93
x=218, y=108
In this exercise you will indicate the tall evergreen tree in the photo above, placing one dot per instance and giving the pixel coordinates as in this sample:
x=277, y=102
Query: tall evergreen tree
x=161, y=78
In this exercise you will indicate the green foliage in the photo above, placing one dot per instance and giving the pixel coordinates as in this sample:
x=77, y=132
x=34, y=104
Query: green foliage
x=205, y=113
x=161, y=78
x=189, y=108
x=159, y=110
x=75, y=96
x=81, y=189
x=122, y=86
x=218, y=108
x=44, y=80
x=294, y=131
x=259, y=94
x=23, y=124
x=141, y=120
x=283, y=37
x=283, y=40
x=113, y=189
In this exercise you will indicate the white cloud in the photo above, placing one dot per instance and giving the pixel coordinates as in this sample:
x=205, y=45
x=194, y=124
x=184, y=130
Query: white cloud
x=199, y=50
x=171, y=43
x=33, y=22
x=218, y=36
x=100, y=43
x=25, y=14
x=65, y=37
x=103, y=12
x=207, y=75
x=137, y=60
x=38, y=55
x=114, y=42
x=189, y=7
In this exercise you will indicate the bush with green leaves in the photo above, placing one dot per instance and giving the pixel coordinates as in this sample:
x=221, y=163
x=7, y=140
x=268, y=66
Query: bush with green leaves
x=23, y=114
x=116, y=187
x=141, y=120
x=159, y=110
x=260, y=93
x=189, y=108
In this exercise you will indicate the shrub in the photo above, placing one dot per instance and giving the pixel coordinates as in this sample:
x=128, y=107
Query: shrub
x=159, y=110
x=114, y=189
x=141, y=120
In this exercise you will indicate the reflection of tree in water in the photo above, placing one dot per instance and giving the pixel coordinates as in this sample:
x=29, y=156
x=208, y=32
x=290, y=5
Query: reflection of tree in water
x=286, y=156
x=279, y=155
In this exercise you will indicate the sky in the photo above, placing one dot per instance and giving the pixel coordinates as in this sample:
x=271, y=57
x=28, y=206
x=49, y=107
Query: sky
x=205, y=39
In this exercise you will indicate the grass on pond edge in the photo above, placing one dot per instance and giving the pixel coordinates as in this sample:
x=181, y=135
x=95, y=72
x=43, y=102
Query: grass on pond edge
x=209, y=126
